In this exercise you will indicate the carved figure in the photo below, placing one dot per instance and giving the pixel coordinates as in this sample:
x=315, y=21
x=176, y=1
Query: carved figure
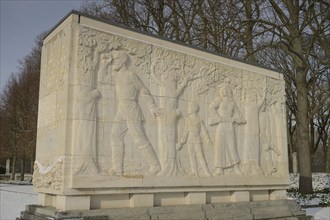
x=225, y=114
x=268, y=149
x=86, y=132
x=194, y=132
x=129, y=116
x=251, y=151
x=276, y=122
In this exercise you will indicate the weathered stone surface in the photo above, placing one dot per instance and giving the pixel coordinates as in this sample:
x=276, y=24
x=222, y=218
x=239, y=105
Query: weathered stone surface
x=257, y=210
x=124, y=115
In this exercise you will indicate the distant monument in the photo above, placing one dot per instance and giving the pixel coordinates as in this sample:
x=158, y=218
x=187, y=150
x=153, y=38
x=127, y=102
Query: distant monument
x=128, y=120
x=7, y=166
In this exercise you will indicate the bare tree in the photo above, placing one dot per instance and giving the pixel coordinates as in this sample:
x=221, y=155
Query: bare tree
x=289, y=22
x=19, y=110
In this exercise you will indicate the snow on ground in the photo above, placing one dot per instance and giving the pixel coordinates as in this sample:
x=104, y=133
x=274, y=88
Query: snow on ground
x=321, y=187
x=320, y=181
x=319, y=213
x=14, y=197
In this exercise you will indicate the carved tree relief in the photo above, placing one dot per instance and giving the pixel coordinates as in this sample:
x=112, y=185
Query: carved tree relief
x=254, y=142
x=254, y=99
x=90, y=46
x=173, y=72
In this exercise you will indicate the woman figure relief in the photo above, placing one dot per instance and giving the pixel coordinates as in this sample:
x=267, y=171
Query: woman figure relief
x=226, y=115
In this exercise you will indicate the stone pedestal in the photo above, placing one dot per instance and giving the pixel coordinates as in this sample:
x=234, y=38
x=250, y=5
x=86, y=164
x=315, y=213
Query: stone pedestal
x=280, y=209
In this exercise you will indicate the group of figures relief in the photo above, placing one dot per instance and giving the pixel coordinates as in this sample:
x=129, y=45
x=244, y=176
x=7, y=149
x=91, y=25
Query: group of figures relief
x=114, y=66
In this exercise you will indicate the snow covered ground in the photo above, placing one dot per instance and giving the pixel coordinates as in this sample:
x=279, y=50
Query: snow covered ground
x=321, y=187
x=14, y=198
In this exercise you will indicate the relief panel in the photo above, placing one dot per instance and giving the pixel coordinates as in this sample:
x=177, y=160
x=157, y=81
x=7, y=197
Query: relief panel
x=145, y=115
x=140, y=106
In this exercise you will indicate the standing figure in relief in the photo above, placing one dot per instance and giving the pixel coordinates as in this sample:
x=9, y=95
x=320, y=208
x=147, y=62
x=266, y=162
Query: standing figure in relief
x=226, y=114
x=129, y=116
x=86, y=132
x=251, y=151
x=193, y=134
x=268, y=166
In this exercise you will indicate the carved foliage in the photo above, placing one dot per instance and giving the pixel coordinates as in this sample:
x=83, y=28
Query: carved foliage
x=168, y=66
x=211, y=75
x=91, y=44
x=254, y=86
x=48, y=176
x=140, y=55
x=275, y=91
x=173, y=71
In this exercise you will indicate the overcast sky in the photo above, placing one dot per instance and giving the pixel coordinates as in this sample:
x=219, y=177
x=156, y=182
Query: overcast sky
x=21, y=22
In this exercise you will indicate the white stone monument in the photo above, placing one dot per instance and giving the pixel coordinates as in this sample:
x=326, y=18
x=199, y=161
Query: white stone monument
x=127, y=119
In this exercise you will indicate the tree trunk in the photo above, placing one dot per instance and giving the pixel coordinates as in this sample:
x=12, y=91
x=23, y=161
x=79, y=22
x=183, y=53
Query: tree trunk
x=248, y=35
x=312, y=136
x=305, y=180
x=327, y=157
x=13, y=168
x=167, y=134
x=22, y=168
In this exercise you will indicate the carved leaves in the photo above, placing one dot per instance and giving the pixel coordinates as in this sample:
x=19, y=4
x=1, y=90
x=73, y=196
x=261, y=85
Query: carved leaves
x=275, y=91
x=167, y=65
x=254, y=86
x=91, y=44
x=140, y=54
x=48, y=177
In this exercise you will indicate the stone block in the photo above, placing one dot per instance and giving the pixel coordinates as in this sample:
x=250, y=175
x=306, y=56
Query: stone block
x=141, y=200
x=217, y=197
x=194, y=198
x=259, y=195
x=180, y=216
x=163, y=199
x=242, y=213
x=175, y=209
x=177, y=212
x=65, y=203
x=110, y=201
x=45, y=199
x=277, y=194
x=271, y=212
x=240, y=196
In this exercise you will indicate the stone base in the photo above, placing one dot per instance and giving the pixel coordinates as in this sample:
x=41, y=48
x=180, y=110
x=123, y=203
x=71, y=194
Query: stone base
x=278, y=209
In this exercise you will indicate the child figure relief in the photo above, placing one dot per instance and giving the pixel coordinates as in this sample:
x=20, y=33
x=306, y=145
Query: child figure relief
x=195, y=136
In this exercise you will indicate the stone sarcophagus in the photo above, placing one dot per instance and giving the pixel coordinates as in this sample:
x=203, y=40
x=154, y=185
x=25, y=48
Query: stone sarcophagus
x=127, y=120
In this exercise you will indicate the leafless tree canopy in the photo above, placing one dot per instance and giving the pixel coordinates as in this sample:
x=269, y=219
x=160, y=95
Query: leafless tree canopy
x=19, y=110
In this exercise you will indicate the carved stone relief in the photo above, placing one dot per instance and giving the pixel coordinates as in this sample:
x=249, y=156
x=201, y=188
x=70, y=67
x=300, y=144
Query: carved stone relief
x=121, y=82
x=196, y=137
x=167, y=71
x=129, y=116
x=48, y=175
x=56, y=66
x=254, y=99
x=225, y=114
